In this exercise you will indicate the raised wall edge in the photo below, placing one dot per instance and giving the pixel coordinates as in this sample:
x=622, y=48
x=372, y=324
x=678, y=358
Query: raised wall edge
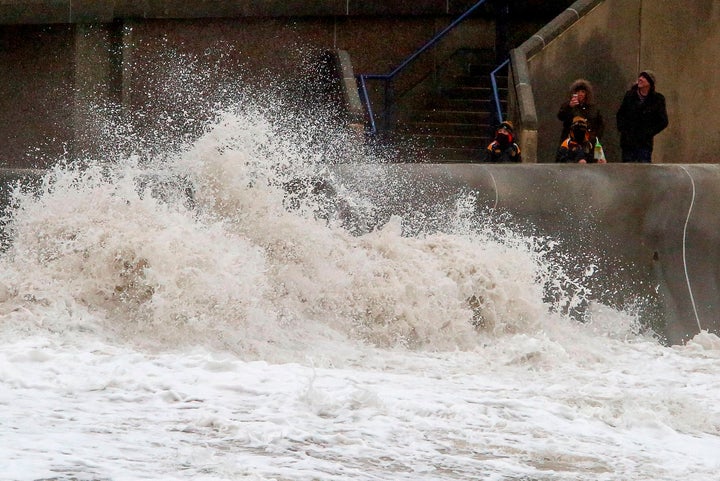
x=17, y=12
x=351, y=96
x=522, y=104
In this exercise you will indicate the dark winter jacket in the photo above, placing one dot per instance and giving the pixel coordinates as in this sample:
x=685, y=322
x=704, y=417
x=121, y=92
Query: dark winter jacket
x=571, y=151
x=497, y=152
x=587, y=110
x=640, y=120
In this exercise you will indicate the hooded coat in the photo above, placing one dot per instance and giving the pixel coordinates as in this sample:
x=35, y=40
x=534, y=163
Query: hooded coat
x=587, y=110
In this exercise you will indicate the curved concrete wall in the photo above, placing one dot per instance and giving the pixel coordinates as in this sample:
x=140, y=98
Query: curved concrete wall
x=642, y=225
x=608, y=43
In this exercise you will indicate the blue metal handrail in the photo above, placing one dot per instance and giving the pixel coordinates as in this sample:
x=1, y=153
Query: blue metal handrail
x=496, y=93
x=388, y=77
x=366, y=101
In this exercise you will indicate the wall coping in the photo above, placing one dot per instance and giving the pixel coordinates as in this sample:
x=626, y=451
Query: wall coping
x=16, y=12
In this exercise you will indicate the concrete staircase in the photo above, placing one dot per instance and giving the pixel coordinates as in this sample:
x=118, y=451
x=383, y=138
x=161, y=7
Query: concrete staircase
x=457, y=122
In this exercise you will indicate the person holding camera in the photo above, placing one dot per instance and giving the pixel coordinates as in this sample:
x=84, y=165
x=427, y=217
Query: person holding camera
x=581, y=104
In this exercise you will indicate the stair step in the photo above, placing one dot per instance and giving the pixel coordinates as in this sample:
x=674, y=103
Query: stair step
x=449, y=128
x=482, y=69
x=480, y=81
x=456, y=154
x=473, y=92
x=472, y=105
x=440, y=154
x=450, y=141
x=452, y=116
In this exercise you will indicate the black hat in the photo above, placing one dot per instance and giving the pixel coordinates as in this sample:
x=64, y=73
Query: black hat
x=648, y=75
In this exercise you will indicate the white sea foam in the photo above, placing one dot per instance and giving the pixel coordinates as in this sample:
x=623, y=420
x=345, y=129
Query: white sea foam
x=219, y=313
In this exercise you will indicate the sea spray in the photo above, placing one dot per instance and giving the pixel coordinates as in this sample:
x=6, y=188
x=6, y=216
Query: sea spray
x=202, y=246
x=221, y=305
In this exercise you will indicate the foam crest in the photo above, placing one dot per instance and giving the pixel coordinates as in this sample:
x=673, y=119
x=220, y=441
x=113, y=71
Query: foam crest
x=241, y=241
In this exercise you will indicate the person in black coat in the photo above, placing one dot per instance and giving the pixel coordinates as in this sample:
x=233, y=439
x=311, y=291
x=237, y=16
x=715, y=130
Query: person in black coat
x=642, y=115
x=503, y=148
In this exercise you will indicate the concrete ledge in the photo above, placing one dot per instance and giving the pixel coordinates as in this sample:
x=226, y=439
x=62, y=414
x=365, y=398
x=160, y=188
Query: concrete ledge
x=103, y=11
x=523, y=89
x=351, y=97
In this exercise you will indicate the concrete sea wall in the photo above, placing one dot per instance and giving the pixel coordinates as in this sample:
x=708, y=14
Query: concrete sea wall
x=652, y=231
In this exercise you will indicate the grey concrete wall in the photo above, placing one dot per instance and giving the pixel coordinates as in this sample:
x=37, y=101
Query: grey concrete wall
x=681, y=42
x=37, y=73
x=609, y=45
x=651, y=230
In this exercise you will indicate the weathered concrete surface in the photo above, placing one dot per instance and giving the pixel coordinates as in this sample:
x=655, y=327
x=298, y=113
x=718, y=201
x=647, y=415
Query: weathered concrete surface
x=652, y=230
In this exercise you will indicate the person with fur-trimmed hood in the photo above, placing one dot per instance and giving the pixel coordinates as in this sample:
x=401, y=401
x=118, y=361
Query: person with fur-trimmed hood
x=503, y=148
x=577, y=148
x=642, y=115
x=581, y=104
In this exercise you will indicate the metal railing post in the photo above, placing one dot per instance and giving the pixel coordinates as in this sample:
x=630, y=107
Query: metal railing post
x=389, y=103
